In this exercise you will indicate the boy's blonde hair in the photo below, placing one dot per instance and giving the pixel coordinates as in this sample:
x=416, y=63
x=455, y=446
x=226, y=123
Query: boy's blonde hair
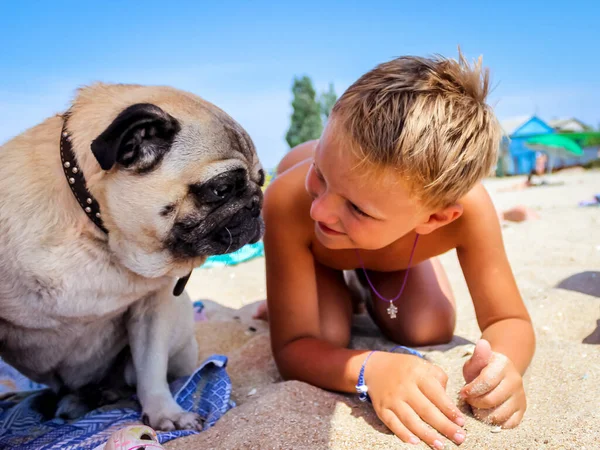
x=427, y=118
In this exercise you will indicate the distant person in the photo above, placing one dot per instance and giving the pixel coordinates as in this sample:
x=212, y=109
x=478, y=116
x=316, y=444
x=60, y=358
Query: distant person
x=539, y=169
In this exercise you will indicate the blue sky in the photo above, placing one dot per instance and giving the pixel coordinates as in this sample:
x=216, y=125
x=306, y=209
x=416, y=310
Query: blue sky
x=243, y=56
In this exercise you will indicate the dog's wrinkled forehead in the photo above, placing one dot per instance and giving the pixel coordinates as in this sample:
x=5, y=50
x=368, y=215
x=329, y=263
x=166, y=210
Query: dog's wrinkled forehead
x=223, y=135
x=152, y=126
x=203, y=149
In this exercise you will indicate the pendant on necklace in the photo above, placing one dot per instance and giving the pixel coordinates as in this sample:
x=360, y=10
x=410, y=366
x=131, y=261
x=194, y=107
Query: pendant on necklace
x=392, y=310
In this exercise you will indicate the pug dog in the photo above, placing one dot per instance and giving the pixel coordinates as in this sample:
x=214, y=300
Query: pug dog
x=104, y=212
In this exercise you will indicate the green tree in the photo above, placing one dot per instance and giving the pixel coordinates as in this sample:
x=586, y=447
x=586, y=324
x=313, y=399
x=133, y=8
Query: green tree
x=306, y=123
x=327, y=100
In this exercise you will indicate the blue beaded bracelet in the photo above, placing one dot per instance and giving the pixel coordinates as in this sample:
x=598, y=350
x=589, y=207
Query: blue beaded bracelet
x=361, y=388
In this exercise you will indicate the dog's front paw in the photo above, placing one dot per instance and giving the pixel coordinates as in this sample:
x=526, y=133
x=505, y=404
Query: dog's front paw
x=177, y=421
x=71, y=406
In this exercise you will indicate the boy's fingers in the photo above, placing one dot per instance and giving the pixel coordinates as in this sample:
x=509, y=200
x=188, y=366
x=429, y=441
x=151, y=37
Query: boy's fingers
x=494, y=398
x=434, y=417
x=488, y=379
x=393, y=423
x=480, y=359
x=499, y=415
x=437, y=395
x=440, y=375
x=514, y=420
x=415, y=424
x=476, y=388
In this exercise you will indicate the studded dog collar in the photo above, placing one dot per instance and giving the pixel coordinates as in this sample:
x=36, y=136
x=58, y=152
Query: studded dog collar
x=76, y=180
x=86, y=200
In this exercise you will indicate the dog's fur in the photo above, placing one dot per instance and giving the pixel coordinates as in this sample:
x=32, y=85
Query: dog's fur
x=177, y=180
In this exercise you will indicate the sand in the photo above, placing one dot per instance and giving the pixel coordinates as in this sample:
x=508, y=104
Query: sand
x=556, y=260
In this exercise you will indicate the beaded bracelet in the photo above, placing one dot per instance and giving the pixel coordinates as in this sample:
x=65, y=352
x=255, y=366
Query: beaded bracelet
x=361, y=388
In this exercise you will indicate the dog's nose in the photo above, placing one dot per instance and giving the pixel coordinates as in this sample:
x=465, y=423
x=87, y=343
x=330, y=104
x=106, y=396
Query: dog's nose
x=261, y=177
x=255, y=206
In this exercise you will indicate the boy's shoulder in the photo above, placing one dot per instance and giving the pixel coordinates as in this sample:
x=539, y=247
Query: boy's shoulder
x=286, y=197
x=476, y=201
x=479, y=214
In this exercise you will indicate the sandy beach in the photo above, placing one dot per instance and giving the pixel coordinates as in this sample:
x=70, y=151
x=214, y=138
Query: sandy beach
x=556, y=260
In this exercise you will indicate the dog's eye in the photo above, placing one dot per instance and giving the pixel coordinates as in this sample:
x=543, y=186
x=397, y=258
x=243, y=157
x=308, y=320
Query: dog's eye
x=167, y=210
x=222, y=190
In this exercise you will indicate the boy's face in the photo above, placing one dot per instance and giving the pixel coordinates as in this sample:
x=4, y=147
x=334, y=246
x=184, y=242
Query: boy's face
x=351, y=210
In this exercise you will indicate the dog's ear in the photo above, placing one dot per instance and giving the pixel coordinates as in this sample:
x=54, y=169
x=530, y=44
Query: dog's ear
x=138, y=138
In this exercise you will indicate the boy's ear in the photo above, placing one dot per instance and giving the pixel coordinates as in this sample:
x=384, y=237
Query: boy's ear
x=440, y=218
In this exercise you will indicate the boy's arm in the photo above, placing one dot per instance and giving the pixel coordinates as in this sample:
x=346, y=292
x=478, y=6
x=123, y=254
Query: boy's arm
x=500, y=310
x=292, y=299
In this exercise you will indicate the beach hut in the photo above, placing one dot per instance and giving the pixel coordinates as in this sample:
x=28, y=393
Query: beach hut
x=515, y=157
x=569, y=125
x=580, y=132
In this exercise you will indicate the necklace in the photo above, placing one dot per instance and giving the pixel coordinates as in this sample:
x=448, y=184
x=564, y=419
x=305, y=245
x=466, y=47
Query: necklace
x=391, y=310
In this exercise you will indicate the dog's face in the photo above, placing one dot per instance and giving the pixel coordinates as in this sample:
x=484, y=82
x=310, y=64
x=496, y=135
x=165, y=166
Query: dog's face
x=176, y=190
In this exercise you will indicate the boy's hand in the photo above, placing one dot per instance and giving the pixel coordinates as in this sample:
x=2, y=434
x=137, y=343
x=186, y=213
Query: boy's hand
x=408, y=395
x=495, y=387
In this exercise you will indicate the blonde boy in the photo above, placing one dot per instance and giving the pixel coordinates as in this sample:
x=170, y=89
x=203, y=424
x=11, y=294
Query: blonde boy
x=394, y=182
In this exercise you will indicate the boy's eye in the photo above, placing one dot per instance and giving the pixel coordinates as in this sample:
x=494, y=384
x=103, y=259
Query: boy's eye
x=358, y=210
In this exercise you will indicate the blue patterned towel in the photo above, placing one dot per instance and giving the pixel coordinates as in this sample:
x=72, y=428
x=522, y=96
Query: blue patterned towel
x=23, y=426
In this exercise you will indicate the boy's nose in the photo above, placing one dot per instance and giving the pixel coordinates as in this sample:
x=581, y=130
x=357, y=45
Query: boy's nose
x=322, y=210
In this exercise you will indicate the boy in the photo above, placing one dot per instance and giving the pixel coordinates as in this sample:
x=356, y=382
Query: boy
x=394, y=182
